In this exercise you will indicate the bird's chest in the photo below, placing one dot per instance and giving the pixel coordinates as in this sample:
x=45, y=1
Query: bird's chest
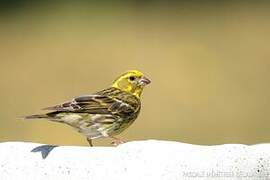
x=122, y=123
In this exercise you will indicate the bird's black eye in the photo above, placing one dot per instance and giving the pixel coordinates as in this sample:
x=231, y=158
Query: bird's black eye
x=132, y=78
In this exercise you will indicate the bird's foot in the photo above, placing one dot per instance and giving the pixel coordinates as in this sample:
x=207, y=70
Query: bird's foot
x=117, y=141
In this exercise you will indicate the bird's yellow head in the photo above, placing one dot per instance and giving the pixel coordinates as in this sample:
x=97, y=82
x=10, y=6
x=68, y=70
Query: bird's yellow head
x=132, y=82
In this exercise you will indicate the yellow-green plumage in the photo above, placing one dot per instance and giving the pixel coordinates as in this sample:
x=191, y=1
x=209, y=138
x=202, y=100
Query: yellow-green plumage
x=105, y=113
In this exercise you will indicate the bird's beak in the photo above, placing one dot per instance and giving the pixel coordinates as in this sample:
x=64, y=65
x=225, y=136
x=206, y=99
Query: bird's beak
x=144, y=81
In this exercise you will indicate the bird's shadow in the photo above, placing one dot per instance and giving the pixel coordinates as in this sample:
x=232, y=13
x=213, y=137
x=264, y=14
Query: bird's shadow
x=44, y=150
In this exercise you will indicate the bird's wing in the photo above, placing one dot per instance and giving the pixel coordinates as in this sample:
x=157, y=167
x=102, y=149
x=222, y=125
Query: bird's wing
x=94, y=104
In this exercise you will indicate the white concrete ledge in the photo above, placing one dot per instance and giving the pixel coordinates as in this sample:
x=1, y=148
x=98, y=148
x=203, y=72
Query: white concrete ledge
x=138, y=160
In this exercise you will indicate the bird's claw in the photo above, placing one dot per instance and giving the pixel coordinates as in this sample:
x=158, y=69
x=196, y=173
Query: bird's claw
x=117, y=142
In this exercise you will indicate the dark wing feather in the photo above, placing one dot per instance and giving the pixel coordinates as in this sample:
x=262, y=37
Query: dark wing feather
x=82, y=104
x=95, y=104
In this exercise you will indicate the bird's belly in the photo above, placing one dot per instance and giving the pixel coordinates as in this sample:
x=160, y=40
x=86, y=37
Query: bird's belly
x=120, y=127
x=89, y=125
x=105, y=129
x=96, y=125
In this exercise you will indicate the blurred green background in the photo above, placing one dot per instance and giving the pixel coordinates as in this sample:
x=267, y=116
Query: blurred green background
x=209, y=62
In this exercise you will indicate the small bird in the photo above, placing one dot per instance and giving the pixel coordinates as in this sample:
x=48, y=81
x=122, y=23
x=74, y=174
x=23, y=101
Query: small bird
x=105, y=113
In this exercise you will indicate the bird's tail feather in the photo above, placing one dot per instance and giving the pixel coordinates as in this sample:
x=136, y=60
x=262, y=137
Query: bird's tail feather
x=36, y=116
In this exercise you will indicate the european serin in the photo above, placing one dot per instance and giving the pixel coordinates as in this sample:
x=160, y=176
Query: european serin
x=105, y=113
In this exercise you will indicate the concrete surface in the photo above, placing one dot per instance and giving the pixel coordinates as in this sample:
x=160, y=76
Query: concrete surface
x=138, y=160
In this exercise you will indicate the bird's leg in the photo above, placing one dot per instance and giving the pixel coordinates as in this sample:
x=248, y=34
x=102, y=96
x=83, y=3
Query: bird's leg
x=90, y=142
x=117, y=141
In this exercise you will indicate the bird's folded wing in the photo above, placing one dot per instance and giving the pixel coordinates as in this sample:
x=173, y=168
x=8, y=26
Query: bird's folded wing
x=94, y=104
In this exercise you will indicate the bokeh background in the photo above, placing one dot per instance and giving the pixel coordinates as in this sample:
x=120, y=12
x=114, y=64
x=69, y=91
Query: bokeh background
x=209, y=62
